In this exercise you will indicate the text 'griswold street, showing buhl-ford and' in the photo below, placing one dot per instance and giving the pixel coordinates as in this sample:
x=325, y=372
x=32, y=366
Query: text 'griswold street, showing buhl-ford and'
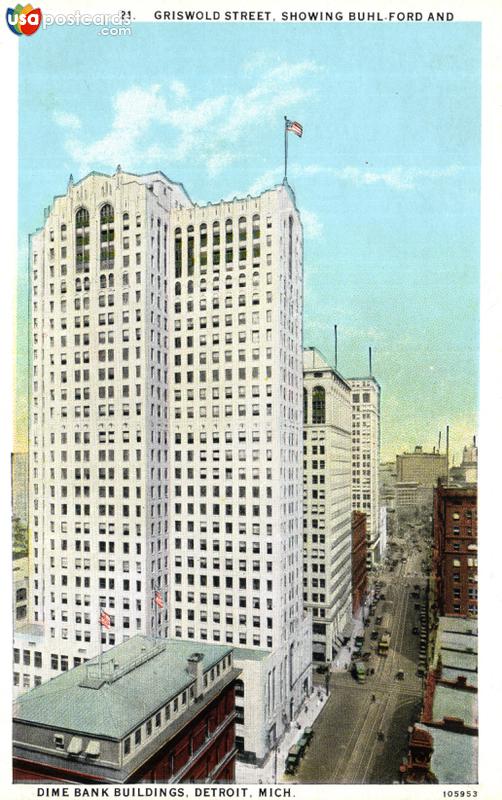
x=302, y=16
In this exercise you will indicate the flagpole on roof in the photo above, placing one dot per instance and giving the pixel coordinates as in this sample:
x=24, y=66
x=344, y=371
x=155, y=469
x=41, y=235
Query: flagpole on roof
x=285, y=149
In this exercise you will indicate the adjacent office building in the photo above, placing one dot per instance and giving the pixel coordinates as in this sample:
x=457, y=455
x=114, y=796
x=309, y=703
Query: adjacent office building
x=366, y=458
x=166, y=422
x=19, y=487
x=327, y=521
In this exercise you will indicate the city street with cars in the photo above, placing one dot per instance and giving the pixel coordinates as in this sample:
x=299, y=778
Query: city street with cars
x=362, y=734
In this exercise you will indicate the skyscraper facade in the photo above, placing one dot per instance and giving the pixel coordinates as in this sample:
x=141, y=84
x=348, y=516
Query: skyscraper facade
x=98, y=429
x=327, y=531
x=235, y=406
x=166, y=423
x=366, y=458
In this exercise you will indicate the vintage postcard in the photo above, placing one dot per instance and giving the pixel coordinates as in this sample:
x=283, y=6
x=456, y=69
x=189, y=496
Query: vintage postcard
x=247, y=246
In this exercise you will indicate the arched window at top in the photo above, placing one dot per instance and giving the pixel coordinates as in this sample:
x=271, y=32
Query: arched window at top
x=82, y=218
x=177, y=253
x=242, y=229
x=190, y=250
x=216, y=233
x=256, y=226
x=229, y=236
x=106, y=214
x=305, y=407
x=63, y=232
x=82, y=240
x=125, y=221
x=318, y=406
x=203, y=235
x=107, y=236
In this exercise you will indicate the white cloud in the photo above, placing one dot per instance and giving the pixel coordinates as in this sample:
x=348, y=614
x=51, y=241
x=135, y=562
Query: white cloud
x=135, y=109
x=277, y=89
x=207, y=131
x=218, y=161
x=265, y=181
x=67, y=120
x=312, y=226
x=399, y=178
x=179, y=89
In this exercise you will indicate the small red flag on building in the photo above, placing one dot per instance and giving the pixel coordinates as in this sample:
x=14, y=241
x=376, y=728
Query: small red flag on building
x=158, y=600
x=104, y=618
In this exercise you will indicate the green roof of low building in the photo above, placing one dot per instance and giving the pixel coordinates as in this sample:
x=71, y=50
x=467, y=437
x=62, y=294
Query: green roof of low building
x=451, y=674
x=137, y=678
x=452, y=702
x=459, y=641
x=455, y=756
x=461, y=661
x=248, y=654
x=458, y=625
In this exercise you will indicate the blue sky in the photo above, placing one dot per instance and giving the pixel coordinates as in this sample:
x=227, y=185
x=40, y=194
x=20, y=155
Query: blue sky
x=386, y=175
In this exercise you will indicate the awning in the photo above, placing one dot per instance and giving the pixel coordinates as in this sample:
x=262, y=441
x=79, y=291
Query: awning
x=93, y=748
x=75, y=746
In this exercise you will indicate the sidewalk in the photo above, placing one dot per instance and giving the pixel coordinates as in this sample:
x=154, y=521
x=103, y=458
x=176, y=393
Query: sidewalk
x=247, y=773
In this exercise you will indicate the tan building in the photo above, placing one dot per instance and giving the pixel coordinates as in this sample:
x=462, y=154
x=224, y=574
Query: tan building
x=366, y=394
x=421, y=468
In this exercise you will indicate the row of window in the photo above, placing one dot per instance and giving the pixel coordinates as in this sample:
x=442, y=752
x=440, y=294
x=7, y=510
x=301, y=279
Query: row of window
x=230, y=638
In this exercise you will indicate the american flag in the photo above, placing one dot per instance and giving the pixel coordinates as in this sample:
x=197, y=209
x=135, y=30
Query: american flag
x=295, y=127
x=104, y=618
x=158, y=600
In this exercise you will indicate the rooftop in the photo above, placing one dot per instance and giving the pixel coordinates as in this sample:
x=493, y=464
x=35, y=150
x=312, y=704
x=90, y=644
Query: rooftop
x=458, y=625
x=462, y=642
x=248, y=654
x=451, y=702
x=455, y=756
x=146, y=674
x=460, y=661
x=451, y=674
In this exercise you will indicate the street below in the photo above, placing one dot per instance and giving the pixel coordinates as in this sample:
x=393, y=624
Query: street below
x=361, y=736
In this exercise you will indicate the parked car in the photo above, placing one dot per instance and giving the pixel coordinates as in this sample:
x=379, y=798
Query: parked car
x=374, y=635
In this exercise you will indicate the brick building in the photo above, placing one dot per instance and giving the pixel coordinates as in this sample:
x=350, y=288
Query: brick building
x=454, y=565
x=152, y=712
x=359, y=568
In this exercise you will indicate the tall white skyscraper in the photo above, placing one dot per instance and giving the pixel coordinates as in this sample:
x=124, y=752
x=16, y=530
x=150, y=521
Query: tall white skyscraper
x=235, y=406
x=327, y=506
x=165, y=442
x=366, y=458
x=99, y=419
